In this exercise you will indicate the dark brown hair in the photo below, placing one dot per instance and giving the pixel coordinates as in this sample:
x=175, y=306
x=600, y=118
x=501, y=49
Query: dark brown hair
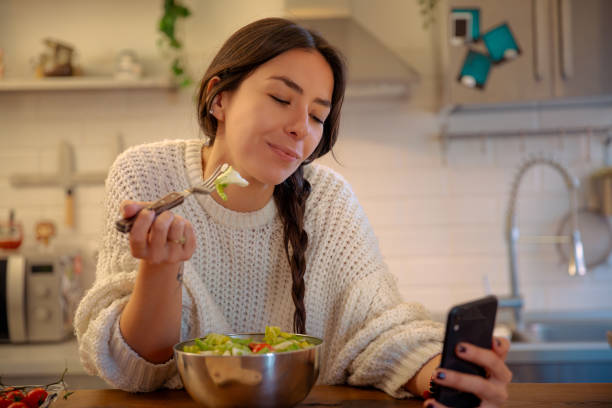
x=243, y=52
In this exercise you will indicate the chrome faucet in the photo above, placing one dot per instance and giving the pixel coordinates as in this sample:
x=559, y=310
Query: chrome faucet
x=576, y=263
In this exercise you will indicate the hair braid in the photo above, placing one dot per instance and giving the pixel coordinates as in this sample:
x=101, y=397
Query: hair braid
x=290, y=197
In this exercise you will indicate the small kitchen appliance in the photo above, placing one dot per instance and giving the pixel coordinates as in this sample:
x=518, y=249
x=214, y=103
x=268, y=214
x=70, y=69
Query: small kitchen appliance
x=39, y=293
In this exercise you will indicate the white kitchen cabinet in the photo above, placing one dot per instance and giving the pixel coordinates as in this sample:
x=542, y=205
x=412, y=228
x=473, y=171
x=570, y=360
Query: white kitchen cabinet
x=566, y=51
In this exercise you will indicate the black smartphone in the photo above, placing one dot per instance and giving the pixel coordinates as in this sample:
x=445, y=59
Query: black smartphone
x=473, y=323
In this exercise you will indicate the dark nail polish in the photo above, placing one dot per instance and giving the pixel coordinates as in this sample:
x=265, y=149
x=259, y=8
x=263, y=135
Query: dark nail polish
x=462, y=349
x=440, y=375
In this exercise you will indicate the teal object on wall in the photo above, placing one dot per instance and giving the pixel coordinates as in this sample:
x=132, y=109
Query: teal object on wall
x=501, y=44
x=465, y=25
x=475, y=70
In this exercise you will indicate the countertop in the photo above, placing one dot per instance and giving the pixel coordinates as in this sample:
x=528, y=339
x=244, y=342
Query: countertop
x=40, y=358
x=52, y=358
x=526, y=395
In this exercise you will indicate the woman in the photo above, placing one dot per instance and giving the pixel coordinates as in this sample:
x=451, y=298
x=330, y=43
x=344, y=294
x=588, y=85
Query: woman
x=293, y=249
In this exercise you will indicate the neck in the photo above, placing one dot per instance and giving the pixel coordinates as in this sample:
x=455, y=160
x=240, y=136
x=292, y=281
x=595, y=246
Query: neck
x=253, y=197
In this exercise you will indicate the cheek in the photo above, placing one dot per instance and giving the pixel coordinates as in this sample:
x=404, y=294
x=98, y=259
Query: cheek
x=246, y=139
x=311, y=144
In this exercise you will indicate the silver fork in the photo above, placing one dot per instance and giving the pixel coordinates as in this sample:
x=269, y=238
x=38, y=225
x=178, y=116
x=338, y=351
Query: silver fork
x=173, y=199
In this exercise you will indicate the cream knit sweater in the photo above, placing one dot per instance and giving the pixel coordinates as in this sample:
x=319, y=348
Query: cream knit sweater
x=239, y=279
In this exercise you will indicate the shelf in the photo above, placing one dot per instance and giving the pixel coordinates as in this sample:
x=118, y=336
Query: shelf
x=83, y=83
x=560, y=131
x=570, y=116
x=594, y=102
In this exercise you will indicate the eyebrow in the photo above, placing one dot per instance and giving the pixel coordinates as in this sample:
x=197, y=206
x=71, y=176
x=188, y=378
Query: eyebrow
x=291, y=84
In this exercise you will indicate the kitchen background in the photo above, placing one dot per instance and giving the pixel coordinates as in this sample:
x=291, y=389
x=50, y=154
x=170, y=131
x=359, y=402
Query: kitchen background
x=438, y=205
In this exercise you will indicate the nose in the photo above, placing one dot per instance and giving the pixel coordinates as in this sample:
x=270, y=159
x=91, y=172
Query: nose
x=297, y=125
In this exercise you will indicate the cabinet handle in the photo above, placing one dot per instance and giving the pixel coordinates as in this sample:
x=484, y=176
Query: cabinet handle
x=538, y=8
x=565, y=39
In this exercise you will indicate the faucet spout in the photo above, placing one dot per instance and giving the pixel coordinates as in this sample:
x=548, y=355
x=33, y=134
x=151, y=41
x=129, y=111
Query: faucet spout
x=577, y=263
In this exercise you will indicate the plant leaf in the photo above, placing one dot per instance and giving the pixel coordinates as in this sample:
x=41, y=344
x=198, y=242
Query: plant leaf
x=185, y=82
x=176, y=68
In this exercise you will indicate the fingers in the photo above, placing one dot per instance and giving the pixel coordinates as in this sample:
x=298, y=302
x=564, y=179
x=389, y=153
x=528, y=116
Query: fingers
x=501, y=346
x=432, y=403
x=158, y=238
x=489, y=359
x=158, y=234
x=487, y=390
x=167, y=238
x=176, y=239
x=128, y=207
x=140, y=233
x=176, y=232
x=492, y=390
x=190, y=240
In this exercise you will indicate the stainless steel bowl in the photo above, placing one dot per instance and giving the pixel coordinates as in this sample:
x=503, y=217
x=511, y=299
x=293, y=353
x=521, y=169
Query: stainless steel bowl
x=261, y=380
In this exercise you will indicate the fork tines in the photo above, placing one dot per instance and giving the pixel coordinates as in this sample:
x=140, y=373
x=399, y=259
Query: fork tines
x=208, y=184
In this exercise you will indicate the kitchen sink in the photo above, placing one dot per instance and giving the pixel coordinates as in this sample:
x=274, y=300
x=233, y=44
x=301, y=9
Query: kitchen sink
x=564, y=331
x=558, y=348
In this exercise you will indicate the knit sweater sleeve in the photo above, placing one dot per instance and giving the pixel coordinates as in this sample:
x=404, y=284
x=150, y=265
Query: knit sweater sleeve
x=102, y=349
x=374, y=337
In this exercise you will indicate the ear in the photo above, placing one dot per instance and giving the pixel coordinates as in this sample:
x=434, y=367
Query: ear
x=217, y=108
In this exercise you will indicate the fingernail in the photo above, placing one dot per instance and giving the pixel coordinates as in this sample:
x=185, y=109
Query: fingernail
x=461, y=348
x=440, y=375
x=498, y=342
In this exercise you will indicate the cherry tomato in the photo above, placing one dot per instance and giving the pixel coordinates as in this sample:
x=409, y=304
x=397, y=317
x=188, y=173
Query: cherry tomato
x=255, y=347
x=4, y=403
x=15, y=396
x=35, y=397
x=18, y=404
x=6, y=390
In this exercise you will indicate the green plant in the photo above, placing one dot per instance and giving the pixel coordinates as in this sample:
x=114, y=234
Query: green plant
x=427, y=11
x=167, y=26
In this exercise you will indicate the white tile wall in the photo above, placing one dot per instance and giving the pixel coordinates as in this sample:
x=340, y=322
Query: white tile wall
x=438, y=213
x=440, y=226
x=441, y=221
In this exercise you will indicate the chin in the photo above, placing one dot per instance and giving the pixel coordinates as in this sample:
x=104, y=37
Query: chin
x=275, y=177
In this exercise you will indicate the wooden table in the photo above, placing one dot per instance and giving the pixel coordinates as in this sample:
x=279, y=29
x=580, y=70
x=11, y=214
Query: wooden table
x=521, y=395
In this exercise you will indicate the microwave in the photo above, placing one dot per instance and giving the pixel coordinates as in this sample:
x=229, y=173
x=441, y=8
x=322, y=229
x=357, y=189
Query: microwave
x=39, y=293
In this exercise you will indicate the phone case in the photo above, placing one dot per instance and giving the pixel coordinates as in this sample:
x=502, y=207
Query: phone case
x=473, y=323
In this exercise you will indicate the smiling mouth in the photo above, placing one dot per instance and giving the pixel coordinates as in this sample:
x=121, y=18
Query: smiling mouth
x=284, y=152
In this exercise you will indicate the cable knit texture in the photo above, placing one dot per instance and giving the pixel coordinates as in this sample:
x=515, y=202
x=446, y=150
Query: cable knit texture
x=239, y=279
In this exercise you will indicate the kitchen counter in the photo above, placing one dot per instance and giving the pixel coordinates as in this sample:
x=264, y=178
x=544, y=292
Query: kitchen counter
x=528, y=395
x=43, y=363
x=48, y=358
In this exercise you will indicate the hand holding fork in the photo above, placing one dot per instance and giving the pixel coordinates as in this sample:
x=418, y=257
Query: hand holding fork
x=173, y=199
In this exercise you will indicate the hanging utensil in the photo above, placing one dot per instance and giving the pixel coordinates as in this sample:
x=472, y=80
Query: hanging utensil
x=596, y=233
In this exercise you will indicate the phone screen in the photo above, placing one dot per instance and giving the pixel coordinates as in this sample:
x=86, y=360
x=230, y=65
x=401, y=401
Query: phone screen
x=473, y=323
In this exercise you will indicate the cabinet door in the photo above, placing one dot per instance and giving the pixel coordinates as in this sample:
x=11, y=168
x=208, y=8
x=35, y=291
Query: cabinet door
x=582, y=33
x=527, y=77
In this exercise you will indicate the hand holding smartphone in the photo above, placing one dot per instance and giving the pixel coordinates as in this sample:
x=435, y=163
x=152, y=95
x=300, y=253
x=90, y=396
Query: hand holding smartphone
x=471, y=322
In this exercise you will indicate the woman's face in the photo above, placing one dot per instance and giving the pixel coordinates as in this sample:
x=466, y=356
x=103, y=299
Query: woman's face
x=274, y=120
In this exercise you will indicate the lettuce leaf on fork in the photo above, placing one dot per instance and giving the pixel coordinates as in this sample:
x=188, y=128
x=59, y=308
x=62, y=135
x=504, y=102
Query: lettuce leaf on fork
x=229, y=176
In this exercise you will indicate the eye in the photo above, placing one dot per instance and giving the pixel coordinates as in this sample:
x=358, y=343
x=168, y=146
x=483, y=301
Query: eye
x=279, y=100
x=284, y=102
x=316, y=119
